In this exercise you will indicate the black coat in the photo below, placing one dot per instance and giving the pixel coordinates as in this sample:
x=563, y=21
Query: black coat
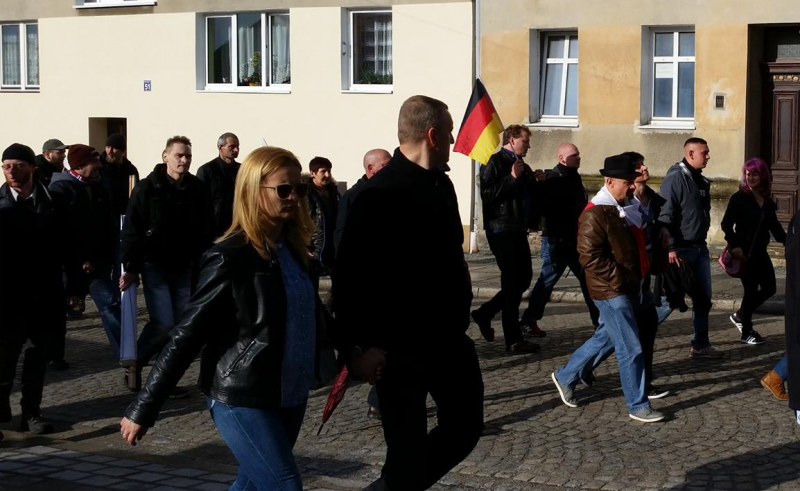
x=238, y=313
x=792, y=310
x=31, y=262
x=116, y=179
x=324, y=211
x=219, y=180
x=401, y=281
x=563, y=201
x=344, y=205
x=91, y=228
x=509, y=205
x=748, y=225
x=167, y=226
x=45, y=170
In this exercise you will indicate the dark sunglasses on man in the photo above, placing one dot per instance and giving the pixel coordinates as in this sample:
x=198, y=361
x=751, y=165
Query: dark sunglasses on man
x=285, y=190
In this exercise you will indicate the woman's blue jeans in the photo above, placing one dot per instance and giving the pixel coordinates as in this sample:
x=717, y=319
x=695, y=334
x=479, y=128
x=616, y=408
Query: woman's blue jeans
x=262, y=441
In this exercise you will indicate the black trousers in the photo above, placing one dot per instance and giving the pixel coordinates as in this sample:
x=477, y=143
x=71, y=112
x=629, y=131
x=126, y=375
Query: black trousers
x=759, y=285
x=513, y=255
x=647, y=322
x=34, y=365
x=415, y=458
x=57, y=343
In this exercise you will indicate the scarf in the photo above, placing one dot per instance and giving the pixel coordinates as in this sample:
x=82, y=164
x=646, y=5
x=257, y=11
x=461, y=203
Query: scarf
x=630, y=211
x=76, y=175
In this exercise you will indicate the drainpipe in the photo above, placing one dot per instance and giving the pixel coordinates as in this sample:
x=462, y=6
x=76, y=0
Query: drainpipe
x=473, y=236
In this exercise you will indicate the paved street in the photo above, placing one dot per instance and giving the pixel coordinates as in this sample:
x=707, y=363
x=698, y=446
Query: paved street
x=724, y=430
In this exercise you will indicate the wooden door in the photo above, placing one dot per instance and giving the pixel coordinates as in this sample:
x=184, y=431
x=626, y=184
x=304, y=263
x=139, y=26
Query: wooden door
x=785, y=85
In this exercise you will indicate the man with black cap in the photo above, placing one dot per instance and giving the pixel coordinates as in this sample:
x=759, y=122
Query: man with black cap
x=51, y=160
x=611, y=249
x=117, y=173
x=93, y=230
x=31, y=289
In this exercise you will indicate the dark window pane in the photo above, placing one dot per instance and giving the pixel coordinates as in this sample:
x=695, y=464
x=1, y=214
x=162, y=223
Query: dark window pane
x=664, y=44
x=573, y=47
x=685, y=90
x=219, y=50
x=552, y=90
x=372, y=48
x=571, y=103
x=249, y=46
x=662, y=92
x=556, y=47
x=686, y=44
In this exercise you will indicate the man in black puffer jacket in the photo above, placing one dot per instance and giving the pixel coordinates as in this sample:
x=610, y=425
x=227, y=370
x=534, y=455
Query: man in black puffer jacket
x=167, y=228
x=510, y=208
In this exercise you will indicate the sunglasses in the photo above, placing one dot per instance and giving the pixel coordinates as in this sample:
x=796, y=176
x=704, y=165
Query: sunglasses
x=285, y=190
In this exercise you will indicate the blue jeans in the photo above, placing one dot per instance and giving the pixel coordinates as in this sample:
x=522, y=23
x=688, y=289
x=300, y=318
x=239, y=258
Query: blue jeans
x=556, y=258
x=664, y=310
x=782, y=369
x=617, y=331
x=104, y=290
x=166, y=293
x=262, y=442
x=698, y=261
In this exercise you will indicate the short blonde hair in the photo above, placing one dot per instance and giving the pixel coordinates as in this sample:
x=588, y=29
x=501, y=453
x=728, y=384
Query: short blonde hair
x=249, y=214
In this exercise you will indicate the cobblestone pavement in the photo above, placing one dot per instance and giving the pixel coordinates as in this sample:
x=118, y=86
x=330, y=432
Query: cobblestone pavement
x=724, y=430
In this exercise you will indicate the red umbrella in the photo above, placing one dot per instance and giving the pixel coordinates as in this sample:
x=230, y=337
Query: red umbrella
x=335, y=397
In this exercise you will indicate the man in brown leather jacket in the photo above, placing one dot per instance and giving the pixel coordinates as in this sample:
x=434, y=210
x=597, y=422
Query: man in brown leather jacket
x=612, y=252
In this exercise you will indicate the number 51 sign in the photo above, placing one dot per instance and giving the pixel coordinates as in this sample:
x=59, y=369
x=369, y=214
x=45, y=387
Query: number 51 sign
x=148, y=85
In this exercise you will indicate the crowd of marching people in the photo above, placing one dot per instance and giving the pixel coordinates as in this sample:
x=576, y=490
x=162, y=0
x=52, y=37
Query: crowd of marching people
x=229, y=259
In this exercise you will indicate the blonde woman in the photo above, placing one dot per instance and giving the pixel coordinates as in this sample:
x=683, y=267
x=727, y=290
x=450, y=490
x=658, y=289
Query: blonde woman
x=255, y=312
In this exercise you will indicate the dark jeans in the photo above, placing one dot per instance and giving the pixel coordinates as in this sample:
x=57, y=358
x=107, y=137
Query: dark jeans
x=262, y=442
x=415, y=458
x=513, y=254
x=556, y=258
x=34, y=365
x=166, y=293
x=697, y=260
x=759, y=285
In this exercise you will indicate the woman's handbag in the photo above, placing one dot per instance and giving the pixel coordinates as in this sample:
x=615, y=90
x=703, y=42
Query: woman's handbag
x=735, y=267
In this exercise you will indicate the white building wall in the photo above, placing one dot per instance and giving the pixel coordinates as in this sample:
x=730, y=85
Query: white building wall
x=96, y=66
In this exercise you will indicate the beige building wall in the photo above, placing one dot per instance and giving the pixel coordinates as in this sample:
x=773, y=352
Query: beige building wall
x=94, y=67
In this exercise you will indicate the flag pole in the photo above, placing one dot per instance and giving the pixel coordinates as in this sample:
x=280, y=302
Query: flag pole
x=476, y=192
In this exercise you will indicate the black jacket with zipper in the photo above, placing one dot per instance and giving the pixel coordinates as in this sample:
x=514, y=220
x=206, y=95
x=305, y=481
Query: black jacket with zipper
x=509, y=204
x=744, y=227
x=167, y=226
x=219, y=180
x=237, y=317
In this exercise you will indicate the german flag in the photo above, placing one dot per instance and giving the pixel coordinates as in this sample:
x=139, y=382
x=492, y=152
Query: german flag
x=479, y=134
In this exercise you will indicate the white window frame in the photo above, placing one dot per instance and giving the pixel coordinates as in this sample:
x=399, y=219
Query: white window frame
x=23, y=60
x=648, y=120
x=536, y=80
x=266, y=61
x=348, y=71
x=84, y=4
x=564, y=61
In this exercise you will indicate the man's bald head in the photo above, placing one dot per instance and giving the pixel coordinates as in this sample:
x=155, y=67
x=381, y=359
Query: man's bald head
x=569, y=155
x=375, y=160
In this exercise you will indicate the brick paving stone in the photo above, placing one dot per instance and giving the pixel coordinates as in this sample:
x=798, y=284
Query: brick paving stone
x=34, y=470
x=40, y=450
x=148, y=476
x=99, y=481
x=126, y=463
x=181, y=482
x=212, y=486
x=155, y=468
x=97, y=459
x=10, y=466
x=87, y=467
x=56, y=462
x=220, y=477
x=130, y=486
x=115, y=471
x=69, y=475
x=188, y=472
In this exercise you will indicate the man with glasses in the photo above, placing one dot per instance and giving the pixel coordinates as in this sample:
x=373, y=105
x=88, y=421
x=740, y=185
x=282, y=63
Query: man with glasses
x=563, y=201
x=167, y=228
x=31, y=288
x=51, y=160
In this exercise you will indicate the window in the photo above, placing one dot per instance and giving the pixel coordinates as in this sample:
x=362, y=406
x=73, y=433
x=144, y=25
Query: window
x=85, y=4
x=256, y=57
x=669, y=93
x=19, y=56
x=368, y=51
x=559, y=85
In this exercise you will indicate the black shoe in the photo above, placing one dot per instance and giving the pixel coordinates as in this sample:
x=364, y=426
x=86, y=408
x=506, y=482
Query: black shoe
x=752, y=338
x=59, y=365
x=35, y=424
x=532, y=330
x=485, y=326
x=5, y=410
x=132, y=379
x=179, y=393
x=587, y=381
x=524, y=347
x=656, y=393
x=373, y=413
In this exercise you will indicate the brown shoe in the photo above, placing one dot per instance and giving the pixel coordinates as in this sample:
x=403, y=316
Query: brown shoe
x=774, y=383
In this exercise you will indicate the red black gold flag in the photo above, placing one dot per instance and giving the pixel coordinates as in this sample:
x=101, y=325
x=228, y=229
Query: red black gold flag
x=479, y=134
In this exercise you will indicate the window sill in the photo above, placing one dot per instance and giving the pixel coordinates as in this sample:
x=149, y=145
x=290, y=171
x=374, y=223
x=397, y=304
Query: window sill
x=139, y=3
x=246, y=90
x=554, y=124
x=369, y=89
x=669, y=125
x=18, y=91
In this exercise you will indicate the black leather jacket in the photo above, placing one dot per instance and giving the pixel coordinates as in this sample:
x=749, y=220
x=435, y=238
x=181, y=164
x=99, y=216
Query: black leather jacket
x=238, y=313
x=220, y=180
x=509, y=205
